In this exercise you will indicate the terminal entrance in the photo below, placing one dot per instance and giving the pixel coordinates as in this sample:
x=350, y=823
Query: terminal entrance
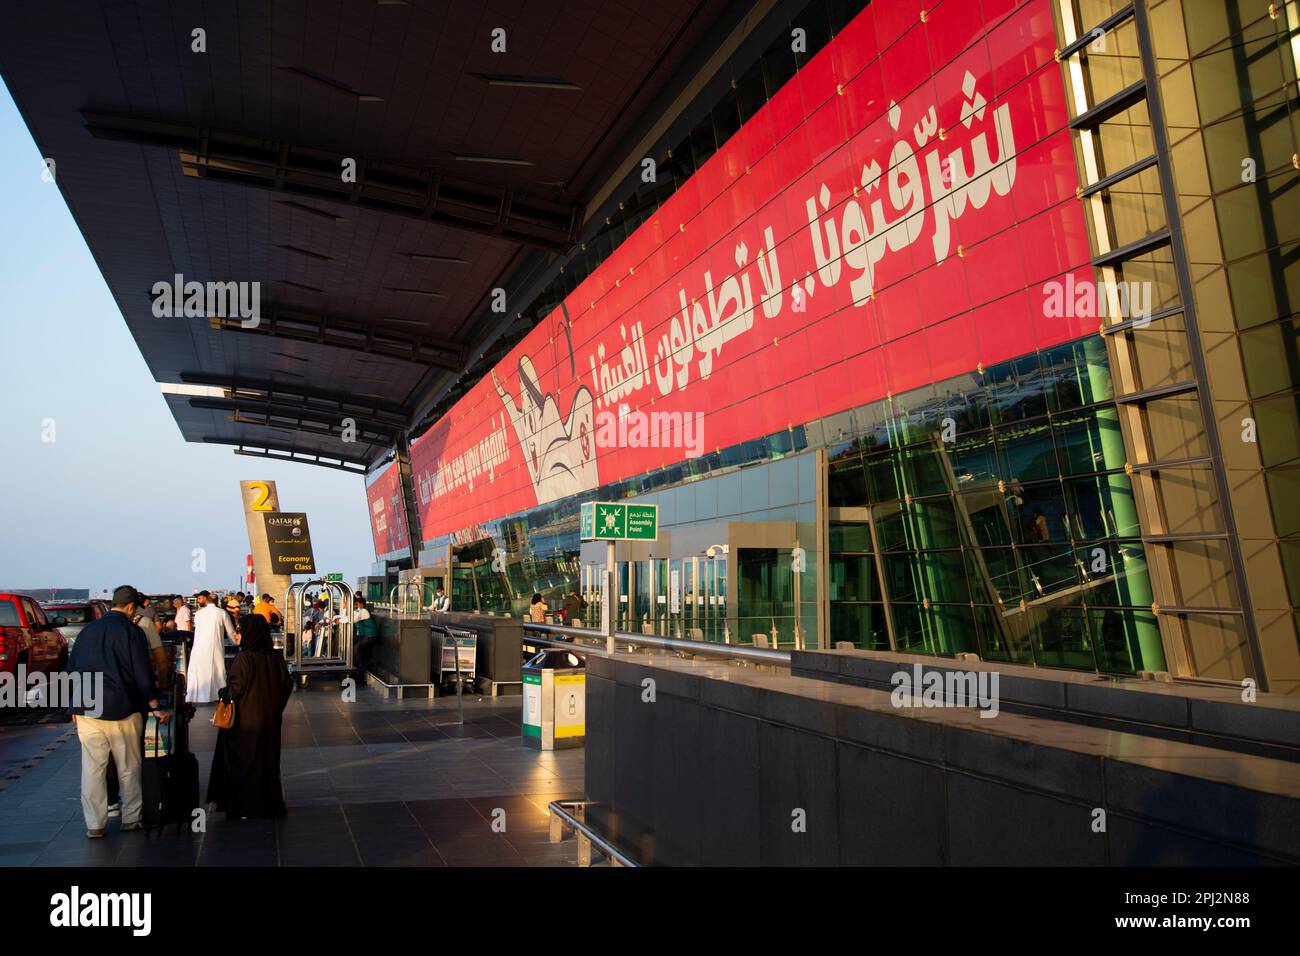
x=731, y=583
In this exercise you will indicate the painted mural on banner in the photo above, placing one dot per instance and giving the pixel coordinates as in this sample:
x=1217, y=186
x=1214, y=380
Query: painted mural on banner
x=387, y=516
x=887, y=220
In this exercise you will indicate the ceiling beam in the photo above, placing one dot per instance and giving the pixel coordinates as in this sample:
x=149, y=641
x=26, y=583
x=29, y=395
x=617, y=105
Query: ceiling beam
x=416, y=192
x=343, y=332
x=259, y=449
x=261, y=412
x=304, y=399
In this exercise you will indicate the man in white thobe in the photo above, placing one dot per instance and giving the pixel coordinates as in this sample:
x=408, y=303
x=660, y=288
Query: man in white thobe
x=206, y=671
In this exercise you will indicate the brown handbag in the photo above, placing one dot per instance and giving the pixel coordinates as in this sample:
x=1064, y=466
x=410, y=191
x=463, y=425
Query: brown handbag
x=224, y=718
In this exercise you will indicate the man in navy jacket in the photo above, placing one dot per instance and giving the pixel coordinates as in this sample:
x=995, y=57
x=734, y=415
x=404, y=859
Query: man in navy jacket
x=113, y=649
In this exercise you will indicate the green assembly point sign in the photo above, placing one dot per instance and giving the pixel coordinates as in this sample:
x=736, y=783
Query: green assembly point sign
x=610, y=521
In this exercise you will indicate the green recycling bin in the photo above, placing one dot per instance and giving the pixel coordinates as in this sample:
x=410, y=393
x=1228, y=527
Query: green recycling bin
x=555, y=700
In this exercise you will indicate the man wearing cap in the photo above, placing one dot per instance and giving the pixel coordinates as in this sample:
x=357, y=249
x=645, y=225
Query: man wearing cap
x=113, y=650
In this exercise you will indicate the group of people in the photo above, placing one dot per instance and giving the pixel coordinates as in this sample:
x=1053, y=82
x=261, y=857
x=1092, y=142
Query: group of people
x=129, y=647
x=572, y=611
x=126, y=648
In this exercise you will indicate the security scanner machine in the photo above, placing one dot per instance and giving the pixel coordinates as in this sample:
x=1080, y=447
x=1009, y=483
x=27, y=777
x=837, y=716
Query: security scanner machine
x=327, y=650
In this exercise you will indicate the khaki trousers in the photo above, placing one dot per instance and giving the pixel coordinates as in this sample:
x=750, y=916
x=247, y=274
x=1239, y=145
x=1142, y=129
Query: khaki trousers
x=122, y=739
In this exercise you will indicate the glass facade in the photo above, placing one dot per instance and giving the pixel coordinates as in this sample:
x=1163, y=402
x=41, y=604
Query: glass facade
x=991, y=514
x=1113, y=495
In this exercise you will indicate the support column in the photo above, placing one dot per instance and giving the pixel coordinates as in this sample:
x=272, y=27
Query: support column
x=411, y=512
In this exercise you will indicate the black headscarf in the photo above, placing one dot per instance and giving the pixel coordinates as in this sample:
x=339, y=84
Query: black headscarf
x=255, y=635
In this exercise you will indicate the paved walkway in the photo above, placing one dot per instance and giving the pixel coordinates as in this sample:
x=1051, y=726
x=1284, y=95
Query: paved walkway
x=376, y=782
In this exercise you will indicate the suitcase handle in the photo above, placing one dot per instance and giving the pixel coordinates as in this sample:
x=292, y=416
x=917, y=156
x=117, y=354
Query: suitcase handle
x=171, y=735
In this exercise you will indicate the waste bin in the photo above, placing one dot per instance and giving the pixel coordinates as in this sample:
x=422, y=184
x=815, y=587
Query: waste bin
x=555, y=700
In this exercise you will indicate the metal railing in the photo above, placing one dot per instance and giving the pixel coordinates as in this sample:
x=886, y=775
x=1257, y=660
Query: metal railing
x=562, y=819
x=698, y=648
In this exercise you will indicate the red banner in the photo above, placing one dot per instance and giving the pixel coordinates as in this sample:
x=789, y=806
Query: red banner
x=387, y=516
x=887, y=220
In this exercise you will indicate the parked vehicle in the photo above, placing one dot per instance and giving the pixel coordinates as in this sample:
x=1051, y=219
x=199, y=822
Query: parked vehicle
x=162, y=605
x=28, y=636
x=77, y=613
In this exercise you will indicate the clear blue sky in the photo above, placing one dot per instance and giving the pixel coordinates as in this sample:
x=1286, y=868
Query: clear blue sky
x=118, y=497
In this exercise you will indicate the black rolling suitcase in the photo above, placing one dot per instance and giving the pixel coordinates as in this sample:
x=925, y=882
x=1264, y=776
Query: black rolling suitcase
x=169, y=772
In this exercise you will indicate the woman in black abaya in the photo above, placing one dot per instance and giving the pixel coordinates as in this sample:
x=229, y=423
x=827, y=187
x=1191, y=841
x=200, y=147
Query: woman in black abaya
x=245, y=779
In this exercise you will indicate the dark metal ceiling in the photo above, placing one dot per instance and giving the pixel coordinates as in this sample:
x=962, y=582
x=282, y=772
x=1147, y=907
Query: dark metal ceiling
x=225, y=165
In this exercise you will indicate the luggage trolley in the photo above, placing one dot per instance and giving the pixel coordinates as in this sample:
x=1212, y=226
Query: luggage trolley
x=457, y=655
x=331, y=652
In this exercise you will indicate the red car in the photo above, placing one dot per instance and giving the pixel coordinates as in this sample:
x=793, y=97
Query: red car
x=28, y=637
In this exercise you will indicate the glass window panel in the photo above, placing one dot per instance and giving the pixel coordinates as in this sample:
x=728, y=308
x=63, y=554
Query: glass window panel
x=853, y=578
x=813, y=20
x=903, y=577
x=924, y=471
x=1053, y=570
x=703, y=143
x=1121, y=637
x=855, y=536
x=891, y=526
x=1089, y=441
x=943, y=576
x=846, y=484
x=1037, y=512
x=986, y=509
x=1016, y=390
x=954, y=629
x=682, y=163
x=1077, y=373
x=1116, y=575
x=750, y=93
x=916, y=417
x=726, y=118
x=973, y=458
x=842, y=12
x=934, y=523
x=997, y=573
x=883, y=475
x=963, y=400
x=1002, y=636
x=1101, y=507
x=912, y=628
x=1061, y=637
x=1027, y=450
x=862, y=624
x=778, y=65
